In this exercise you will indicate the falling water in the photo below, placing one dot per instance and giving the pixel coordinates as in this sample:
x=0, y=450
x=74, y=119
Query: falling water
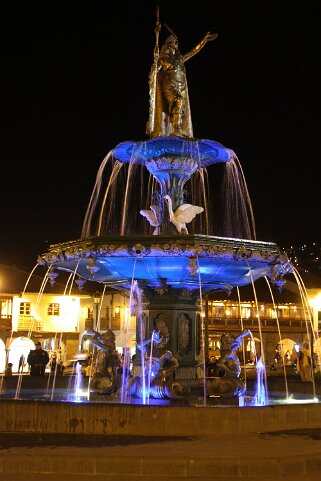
x=125, y=370
x=238, y=219
x=108, y=169
x=260, y=395
x=141, y=330
x=150, y=365
x=242, y=328
x=122, y=190
x=55, y=373
x=71, y=384
x=48, y=382
x=202, y=330
x=20, y=377
x=134, y=290
x=100, y=308
x=78, y=383
x=200, y=194
x=42, y=288
x=29, y=277
x=280, y=337
x=130, y=184
x=304, y=300
x=70, y=280
x=260, y=329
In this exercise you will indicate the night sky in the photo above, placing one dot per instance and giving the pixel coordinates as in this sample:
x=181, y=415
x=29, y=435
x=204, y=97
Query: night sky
x=76, y=84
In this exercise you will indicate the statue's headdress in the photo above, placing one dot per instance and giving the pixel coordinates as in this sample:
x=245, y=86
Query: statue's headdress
x=172, y=36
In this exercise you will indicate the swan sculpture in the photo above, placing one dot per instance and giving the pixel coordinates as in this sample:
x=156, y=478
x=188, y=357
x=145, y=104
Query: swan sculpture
x=183, y=215
x=153, y=217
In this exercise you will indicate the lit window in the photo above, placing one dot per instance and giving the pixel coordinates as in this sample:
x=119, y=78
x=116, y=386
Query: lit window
x=25, y=308
x=53, y=309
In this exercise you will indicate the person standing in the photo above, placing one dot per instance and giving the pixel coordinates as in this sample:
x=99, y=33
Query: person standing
x=304, y=362
x=37, y=359
x=21, y=364
x=8, y=370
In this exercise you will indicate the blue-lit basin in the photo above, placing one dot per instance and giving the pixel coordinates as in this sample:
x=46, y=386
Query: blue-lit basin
x=219, y=263
x=205, y=152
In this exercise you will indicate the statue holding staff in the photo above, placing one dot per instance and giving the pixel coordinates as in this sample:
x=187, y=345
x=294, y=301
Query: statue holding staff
x=169, y=112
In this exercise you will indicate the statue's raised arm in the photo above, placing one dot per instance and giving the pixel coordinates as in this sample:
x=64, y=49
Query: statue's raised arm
x=207, y=38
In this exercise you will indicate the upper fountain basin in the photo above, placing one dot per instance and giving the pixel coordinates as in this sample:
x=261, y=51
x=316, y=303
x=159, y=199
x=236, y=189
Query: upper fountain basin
x=183, y=262
x=203, y=152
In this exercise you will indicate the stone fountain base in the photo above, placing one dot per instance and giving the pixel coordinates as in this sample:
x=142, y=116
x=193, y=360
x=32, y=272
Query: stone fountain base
x=155, y=420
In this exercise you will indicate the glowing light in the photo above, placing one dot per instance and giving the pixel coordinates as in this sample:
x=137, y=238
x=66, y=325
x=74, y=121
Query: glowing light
x=291, y=400
x=315, y=302
x=117, y=309
x=81, y=393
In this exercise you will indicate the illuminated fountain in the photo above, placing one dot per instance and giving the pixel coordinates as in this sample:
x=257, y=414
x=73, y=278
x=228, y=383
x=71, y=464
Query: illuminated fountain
x=141, y=234
x=143, y=185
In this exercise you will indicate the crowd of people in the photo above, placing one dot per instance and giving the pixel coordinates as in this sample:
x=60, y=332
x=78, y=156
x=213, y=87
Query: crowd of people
x=38, y=362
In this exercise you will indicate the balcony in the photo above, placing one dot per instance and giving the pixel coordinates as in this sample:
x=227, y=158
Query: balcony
x=29, y=323
x=5, y=323
x=105, y=324
x=113, y=324
x=252, y=322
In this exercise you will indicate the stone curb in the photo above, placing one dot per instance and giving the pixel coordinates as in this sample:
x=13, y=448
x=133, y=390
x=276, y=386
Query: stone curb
x=98, y=418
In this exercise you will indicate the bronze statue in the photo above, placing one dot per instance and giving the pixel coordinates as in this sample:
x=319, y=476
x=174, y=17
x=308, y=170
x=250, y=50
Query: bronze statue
x=169, y=103
x=105, y=379
x=163, y=365
x=230, y=384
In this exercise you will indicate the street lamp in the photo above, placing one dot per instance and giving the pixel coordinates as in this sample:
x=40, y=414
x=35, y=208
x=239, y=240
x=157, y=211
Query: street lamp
x=97, y=302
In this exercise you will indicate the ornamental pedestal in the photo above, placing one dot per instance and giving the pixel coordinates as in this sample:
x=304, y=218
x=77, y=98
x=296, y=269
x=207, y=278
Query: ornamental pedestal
x=175, y=314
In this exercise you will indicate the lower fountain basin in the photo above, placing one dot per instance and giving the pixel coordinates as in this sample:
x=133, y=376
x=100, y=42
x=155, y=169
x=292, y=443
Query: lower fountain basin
x=181, y=262
x=155, y=420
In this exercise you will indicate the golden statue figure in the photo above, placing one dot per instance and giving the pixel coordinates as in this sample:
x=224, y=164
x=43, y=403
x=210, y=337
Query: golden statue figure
x=169, y=112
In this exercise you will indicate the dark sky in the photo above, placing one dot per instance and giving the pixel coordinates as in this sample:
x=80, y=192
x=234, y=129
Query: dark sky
x=75, y=85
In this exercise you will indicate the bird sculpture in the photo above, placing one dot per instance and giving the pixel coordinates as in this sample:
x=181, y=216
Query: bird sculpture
x=153, y=217
x=183, y=215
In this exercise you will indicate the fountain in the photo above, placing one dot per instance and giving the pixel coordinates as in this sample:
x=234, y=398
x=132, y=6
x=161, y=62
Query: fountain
x=173, y=265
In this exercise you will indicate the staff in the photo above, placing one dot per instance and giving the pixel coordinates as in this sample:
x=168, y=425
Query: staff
x=153, y=78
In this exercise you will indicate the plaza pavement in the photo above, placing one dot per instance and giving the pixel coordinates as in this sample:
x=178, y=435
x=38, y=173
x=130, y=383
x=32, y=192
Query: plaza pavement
x=287, y=455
